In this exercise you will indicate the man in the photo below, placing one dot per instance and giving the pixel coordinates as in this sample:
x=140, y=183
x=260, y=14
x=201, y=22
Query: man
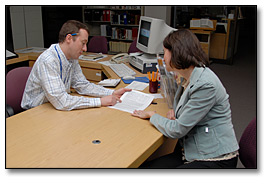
x=57, y=69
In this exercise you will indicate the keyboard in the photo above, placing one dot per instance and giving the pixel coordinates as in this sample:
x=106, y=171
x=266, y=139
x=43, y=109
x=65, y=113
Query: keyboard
x=122, y=70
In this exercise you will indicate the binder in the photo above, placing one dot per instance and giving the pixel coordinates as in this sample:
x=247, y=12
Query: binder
x=108, y=15
x=125, y=19
x=104, y=15
x=134, y=33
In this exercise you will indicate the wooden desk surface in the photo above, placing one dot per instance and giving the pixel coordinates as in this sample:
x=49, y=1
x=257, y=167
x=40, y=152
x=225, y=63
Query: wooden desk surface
x=44, y=137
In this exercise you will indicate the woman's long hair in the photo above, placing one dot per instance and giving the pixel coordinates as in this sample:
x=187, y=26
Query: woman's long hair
x=185, y=49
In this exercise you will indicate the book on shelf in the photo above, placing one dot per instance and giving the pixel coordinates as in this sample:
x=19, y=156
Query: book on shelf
x=122, y=33
x=125, y=18
x=104, y=15
x=108, y=15
x=116, y=46
x=105, y=30
x=134, y=33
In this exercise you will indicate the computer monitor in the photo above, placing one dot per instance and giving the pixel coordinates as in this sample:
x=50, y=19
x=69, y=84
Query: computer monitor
x=9, y=39
x=151, y=34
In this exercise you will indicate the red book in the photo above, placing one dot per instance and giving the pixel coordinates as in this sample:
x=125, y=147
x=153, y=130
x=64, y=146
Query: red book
x=134, y=33
x=104, y=15
x=108, y=15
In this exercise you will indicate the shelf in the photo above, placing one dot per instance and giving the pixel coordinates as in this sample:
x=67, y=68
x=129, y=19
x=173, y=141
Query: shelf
x=113, y=25
x=95, y=21
x=125, y=9
x=127, y=25
x=121, y=39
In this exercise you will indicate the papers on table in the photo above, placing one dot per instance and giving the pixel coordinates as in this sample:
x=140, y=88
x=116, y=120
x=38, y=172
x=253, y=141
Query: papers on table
x=92, y=57
x=10, y=55
x=133, y=100
x=109, y=82
x=157, y=95
x=31, y=49
x=107, y=63
x=137, y=85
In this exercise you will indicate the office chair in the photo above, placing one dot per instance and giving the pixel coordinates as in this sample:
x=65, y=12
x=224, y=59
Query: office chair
x=133, y=48
x=15, y=86
x=98, y=44
x=248, y=150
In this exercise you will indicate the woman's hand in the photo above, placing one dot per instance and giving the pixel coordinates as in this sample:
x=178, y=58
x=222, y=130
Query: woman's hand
x=171, y=114
x=143, y=114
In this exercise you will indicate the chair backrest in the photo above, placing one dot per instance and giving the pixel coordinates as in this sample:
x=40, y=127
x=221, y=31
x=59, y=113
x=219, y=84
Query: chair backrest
x=15, y=86
x=133, y=48
x=98, y=44
x=248, y=150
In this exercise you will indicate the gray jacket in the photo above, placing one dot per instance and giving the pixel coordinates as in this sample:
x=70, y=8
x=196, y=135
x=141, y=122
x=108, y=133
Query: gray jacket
x=203, y=118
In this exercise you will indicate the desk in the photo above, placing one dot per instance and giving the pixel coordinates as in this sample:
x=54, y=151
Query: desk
x=204, y=37
x=93, y=71
x=44, y=137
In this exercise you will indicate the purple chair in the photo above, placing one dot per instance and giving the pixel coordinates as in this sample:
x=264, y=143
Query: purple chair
x=15, y=86
x=133, y=48
x=98, y=44
x=248, y=150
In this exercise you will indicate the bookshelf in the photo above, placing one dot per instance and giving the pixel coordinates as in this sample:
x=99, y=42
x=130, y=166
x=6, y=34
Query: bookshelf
x=116, y=23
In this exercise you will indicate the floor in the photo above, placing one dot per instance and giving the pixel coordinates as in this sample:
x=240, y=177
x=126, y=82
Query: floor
x=240, y=81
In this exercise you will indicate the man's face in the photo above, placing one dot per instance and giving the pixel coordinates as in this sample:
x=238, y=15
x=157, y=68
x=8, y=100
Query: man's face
x=79, y=44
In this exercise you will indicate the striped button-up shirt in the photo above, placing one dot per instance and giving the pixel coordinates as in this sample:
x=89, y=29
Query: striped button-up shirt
x=51, y=78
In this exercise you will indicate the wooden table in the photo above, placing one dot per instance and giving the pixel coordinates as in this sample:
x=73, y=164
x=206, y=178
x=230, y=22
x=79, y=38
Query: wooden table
x=44, y=137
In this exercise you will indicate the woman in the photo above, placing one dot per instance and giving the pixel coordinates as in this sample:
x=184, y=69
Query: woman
x=201, y=118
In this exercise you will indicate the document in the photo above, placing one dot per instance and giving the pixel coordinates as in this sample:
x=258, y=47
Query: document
x=201, y=23
x=92, y=57
x=137, y=85
x=109, y=82
x=31, y=49
x=10, y=55
x=133, y=100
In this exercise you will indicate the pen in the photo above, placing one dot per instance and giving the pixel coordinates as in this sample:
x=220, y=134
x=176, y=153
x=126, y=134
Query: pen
x=98, y=57
x=149, y=76
x=156, y=75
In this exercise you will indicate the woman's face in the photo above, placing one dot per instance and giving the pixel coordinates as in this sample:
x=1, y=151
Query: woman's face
x=167, y=59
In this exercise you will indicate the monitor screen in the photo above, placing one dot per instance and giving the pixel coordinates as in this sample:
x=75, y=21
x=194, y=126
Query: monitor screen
x=151, y=34
x=144, y=33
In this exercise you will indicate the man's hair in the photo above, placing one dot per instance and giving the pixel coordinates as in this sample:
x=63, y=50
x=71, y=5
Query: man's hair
x=185, y=50
x=70, y=27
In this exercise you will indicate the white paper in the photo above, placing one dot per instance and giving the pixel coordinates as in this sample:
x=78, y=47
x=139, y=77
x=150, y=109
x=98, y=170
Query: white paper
x=9, y=54
x=133, y=100
x=201, y=23
x=107, y=63
x=31, y=49
x=157, y=95
x=92, y=57
x=136, y=85
x=109, y=82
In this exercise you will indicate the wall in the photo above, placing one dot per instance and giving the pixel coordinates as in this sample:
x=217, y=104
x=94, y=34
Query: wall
x=27, y=30
x=159, y=12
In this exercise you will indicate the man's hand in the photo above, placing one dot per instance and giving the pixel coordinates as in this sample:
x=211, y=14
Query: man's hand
x=109, y=100
x=119, y=92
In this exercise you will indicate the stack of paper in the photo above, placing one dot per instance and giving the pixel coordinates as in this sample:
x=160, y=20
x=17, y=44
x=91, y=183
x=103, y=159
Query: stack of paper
x=133, y=100
x=109, y=82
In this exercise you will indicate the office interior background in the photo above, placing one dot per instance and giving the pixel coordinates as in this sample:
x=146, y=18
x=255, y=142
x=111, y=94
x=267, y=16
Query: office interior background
x=233, y=59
